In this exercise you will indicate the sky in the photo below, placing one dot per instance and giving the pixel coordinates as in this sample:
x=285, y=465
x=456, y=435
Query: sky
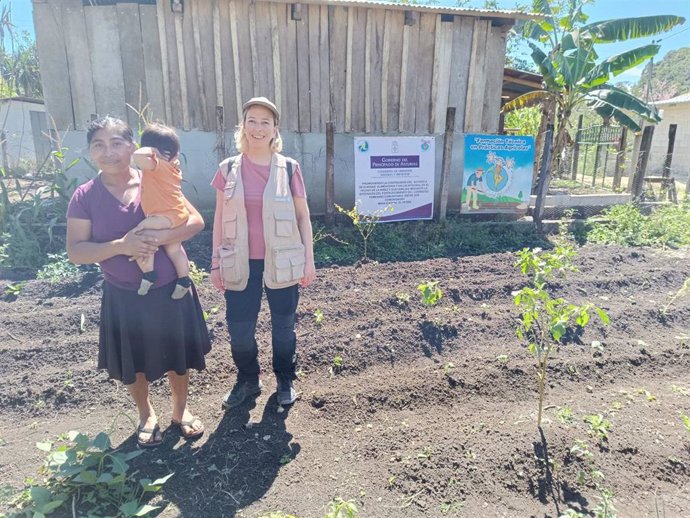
x=599, y=10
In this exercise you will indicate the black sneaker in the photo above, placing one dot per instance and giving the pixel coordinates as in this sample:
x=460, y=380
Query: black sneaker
x=242, y=391
x=286, y=392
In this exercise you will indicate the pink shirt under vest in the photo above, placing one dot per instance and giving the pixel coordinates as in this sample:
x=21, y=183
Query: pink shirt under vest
x=254, y=180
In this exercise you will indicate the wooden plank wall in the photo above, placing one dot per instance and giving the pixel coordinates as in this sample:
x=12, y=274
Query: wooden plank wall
x=368, y=69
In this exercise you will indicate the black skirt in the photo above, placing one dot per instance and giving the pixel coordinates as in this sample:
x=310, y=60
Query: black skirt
x=151, y=334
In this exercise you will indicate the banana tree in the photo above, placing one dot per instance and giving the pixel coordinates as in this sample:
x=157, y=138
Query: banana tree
x=562, y=46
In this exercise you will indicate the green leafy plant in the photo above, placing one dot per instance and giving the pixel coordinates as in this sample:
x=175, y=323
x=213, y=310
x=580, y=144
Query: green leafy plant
x=32, y=210
x=565, y=415
x=503, y=359
x=682, y=292
x=402, y=299
x=339, y=508
x=58, y=268
x=336, y=365
x=599, y=426
x=364, y=223
x=626, y=225
x=91, y=477
x=15, y=289
x=544, y=320
x=431, y=293
x=196, y=274
x=318, y=317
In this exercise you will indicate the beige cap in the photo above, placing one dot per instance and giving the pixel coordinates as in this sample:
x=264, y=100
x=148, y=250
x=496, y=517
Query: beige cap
x=262, y=101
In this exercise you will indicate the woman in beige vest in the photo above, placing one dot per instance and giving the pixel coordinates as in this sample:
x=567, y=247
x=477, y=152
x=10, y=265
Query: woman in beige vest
x=262, y=239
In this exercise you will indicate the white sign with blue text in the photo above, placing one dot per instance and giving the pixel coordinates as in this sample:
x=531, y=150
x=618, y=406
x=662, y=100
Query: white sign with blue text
x=395, y=173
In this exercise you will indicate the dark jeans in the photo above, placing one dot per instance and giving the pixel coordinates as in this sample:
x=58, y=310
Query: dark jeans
x=241, y=313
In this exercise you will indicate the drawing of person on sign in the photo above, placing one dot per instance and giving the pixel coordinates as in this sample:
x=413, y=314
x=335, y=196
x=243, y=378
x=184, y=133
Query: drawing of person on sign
x=475, y=185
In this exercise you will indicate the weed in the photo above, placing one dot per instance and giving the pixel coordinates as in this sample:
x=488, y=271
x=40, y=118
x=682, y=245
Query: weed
x=682, y=291
x=58, y=268
x=686, y=421
x=545, y=320
x=565, y=415
x=402, y=299
x=364, y=223
x=336, y=365
x=91, y=477
x=680, y=390
x=318, y=317
x=15, y=289
x=650, y=397
x=454, y=506
x=599, y=426
x=196, y=274
x=431, y=293
x=32, y=210
x=626, y=225
x=69, y=382
x=448, y=369
x=285, y=459
x=617, y=405
x=605, y=508
x=339, y=508
x=503, y=359
x=426, y=453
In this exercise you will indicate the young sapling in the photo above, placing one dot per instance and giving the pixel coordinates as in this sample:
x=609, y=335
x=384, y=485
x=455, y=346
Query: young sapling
x=544, y=319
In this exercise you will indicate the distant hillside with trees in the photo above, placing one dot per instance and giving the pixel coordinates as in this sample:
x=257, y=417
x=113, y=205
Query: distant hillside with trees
x=670, y=77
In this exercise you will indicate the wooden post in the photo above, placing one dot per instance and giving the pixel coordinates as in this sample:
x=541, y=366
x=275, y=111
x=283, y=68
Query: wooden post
x=643, y=158
x=330, y=176
x=446, y=162
x=576, y=151
x=669, y=150
x=220, y=133
x=543, y=179
x=3, y=147
x=620, y=159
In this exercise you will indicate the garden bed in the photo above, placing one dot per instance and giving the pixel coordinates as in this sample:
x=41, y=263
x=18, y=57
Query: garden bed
x=431, y=411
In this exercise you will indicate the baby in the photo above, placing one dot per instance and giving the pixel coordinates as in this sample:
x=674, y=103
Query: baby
x=162, y=201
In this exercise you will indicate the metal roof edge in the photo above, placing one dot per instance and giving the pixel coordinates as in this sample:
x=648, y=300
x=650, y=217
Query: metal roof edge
x=458, y=11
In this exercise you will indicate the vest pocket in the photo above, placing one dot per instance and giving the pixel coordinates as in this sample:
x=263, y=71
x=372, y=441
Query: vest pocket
x=288, y=262
x=229, y=224
x=229, y=267
x=283, y=219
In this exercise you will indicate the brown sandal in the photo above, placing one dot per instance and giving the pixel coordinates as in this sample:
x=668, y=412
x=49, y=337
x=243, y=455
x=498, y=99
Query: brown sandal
x=181, y=425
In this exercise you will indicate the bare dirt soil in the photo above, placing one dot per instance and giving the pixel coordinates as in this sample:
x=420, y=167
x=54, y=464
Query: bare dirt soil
x=421, y=420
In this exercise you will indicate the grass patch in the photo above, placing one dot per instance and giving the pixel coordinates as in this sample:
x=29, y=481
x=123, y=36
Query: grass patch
x=667, y=226
x=420, y=240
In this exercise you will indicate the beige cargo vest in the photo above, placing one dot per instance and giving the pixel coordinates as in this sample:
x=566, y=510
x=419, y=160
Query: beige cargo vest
x=285, y=255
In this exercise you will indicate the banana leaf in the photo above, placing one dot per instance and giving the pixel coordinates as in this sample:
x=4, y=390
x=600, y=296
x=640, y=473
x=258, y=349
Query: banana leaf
x=606, y=111
x=532, y=98
x=618, y=64
x=608, y=31
x=622, y=100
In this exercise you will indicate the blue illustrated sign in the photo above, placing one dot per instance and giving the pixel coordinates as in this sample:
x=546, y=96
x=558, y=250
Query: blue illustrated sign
x=497, y=174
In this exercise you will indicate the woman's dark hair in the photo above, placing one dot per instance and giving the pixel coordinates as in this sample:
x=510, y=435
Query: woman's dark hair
x=161, y=137
x=118, y=125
